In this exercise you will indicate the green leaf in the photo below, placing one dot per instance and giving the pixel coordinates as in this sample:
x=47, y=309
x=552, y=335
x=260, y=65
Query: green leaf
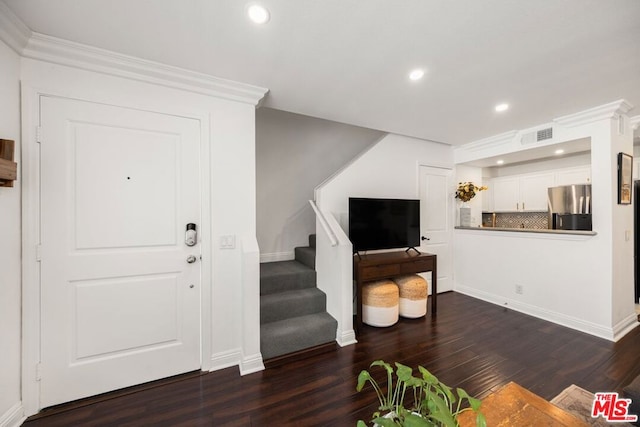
x=447, y=391
x=475, y=403
x=403, y=372
x=362, y=379
x=427, y=376
x=441, y=411
x=386, y=422
x=383, y=364
x=480, y=420
x=413, y=420
x=361, y=424
x=462, y=394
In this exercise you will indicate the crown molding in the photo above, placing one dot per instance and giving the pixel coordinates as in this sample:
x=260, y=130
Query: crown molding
x=602, y=112
x=634, y=122
x=12, y=30
x=492, y=141
x=63, y=52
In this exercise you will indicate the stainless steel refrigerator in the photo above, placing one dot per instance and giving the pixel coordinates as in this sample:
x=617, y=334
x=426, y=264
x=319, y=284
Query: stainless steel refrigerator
x=570, y=207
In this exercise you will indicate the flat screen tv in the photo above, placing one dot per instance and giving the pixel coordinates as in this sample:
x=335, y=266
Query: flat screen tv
x=383, y=223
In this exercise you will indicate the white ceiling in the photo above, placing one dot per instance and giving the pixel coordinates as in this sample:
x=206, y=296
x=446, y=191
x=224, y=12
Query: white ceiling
x=348, y=60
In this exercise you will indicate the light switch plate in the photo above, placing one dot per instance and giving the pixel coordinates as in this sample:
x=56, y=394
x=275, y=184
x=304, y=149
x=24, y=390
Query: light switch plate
x=228, y=241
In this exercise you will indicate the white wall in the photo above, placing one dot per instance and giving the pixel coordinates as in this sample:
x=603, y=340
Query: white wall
x=388, y=170
x=294, y=154
x=228, y=133
x=582, y=282
x=10, y=287
x=470, y=174
x=564, y=280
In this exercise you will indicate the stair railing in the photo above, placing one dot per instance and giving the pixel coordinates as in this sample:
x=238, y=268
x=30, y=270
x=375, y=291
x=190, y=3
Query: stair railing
x=323, y=222
x=334, y=269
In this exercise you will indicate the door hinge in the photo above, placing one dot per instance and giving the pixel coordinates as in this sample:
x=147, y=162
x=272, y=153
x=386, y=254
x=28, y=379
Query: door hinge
x=38, y=134
x=38, y=252
x=38, y=371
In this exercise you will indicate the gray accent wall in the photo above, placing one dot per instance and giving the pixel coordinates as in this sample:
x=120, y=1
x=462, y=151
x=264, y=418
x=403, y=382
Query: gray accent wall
x=294, y=154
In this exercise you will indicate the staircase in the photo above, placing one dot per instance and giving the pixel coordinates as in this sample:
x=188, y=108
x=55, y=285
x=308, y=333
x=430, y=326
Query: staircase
x=293, y=314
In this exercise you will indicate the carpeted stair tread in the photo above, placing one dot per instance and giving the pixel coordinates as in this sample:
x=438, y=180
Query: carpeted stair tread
x=283, y=305
x=306, y=255
x=285, y=276
x=297, y=333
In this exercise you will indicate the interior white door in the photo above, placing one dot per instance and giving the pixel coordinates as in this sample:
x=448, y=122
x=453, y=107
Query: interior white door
x=436, y=196
x=120, y=304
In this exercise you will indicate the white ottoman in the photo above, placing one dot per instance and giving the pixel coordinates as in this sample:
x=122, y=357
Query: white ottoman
x=413, y=295
x=380, y=303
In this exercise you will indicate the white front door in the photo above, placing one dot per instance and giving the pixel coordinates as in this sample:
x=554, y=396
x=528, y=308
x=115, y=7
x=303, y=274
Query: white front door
x=436, y=196
x=120, y=304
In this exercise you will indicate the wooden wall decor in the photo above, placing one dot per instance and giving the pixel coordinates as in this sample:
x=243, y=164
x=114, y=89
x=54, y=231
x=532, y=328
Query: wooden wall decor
x=8, y=168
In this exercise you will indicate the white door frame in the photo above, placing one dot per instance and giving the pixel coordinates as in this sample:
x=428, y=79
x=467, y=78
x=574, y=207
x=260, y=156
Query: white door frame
x=30, y=175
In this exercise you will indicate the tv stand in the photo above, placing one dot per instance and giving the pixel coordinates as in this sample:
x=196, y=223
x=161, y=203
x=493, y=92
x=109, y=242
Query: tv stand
x=411, y=247
x=386, y=265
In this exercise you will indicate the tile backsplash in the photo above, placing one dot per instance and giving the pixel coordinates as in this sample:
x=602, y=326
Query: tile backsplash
x=531, y=220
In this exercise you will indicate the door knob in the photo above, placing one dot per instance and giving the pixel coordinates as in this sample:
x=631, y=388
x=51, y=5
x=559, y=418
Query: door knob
x=424, y=238
x=191, y=259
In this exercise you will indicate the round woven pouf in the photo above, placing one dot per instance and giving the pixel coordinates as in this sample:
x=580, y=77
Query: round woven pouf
x=413, y=295
x=380, y=303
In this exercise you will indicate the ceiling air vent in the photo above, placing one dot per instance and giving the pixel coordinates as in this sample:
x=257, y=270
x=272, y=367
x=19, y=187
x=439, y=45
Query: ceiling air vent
x=544, y=134
x=537, y=136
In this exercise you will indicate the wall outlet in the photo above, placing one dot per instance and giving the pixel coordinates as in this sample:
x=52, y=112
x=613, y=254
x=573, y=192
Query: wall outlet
x=519, y=289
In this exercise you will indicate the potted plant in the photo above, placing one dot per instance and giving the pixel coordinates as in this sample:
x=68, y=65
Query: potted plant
x=430, y=402
x=465, y=192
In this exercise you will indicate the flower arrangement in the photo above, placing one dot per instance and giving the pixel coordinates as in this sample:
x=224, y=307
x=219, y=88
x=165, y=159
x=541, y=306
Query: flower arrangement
x=467, y=190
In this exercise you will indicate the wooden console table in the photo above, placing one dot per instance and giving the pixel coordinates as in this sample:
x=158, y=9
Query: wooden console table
x=386, y=265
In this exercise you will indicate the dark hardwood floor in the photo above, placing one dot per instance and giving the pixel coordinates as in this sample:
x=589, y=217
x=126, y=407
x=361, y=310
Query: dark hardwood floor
x=471, y=344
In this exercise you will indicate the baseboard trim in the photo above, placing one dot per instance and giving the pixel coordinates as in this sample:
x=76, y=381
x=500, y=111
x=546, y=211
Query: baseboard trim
x=225, y=359
x=540, y=313
x=346, y=338
x=625, y=326
x=301, y=354
x=14, y=417
x=251, y=364
x=277, y=256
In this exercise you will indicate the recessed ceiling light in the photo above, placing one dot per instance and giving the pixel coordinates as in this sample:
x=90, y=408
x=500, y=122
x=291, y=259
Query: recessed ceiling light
x=258, y=14
x=559, y=151
x=500, y=162
x=416, y=74
x=502, y=107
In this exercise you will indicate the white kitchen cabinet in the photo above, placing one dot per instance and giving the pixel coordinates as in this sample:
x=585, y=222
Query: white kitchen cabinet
x=577, y=175
x=533, y=191
x=506, y=194
x=636, y=169
x=487, y=195
x=522, y=193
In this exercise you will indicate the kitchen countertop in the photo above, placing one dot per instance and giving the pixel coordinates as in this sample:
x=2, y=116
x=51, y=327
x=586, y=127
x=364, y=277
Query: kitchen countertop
x=531, y=230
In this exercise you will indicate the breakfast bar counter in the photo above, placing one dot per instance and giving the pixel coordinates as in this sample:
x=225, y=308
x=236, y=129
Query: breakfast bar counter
x=531, y=230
